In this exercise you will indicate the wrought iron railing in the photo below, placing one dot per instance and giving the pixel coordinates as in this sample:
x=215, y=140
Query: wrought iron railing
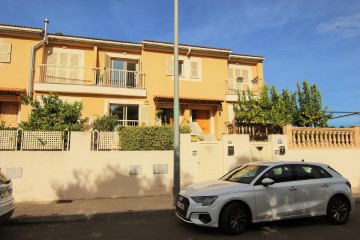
x=90, y=76
x=256, y=132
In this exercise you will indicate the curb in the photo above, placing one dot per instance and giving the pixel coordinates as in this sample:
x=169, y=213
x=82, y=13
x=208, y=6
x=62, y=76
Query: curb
x=129, y=215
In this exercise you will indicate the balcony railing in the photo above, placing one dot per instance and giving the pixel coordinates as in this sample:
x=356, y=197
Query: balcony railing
x=235, y=88
x=90, y=76
x=322, y=137
x=238, y=87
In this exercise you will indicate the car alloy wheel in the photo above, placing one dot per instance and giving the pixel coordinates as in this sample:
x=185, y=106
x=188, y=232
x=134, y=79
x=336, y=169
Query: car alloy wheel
x=234, y=218
x=338, y=210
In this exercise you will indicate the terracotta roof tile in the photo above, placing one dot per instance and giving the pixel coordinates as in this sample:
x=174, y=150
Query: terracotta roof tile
x=13, y=91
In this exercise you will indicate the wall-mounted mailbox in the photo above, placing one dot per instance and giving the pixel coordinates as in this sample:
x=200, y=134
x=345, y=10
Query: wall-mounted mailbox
x=230, y=150
x=282, y=150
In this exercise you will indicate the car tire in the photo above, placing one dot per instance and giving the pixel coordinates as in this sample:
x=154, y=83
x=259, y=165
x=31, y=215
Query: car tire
x=234, y=218
x=338, y=210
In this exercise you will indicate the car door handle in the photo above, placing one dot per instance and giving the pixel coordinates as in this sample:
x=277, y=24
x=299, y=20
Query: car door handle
x=326, y=185
x=293, y=188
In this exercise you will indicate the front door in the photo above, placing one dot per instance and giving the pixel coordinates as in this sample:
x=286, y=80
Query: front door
x=9, y=113
x=202, y=117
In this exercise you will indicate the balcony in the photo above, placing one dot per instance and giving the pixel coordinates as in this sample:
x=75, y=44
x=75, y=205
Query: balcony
x=234, y=88
x=90, y=80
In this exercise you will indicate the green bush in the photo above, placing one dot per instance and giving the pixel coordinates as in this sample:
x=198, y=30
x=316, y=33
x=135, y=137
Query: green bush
x=52, y=114
x=185, y=129
x=146, y=138
x=105, y=123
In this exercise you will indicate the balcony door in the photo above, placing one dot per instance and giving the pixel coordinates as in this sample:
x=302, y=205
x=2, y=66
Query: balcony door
x=123, y=73
x=128, y=114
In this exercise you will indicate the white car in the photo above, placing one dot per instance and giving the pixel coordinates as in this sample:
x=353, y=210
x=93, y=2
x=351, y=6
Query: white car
x=267, y=191
x=6, y=198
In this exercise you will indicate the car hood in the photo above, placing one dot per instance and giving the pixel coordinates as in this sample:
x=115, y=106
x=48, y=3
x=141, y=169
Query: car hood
x=214, y=187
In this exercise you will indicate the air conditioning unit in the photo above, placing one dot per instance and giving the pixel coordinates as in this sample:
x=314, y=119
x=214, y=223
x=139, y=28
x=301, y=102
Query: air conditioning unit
x=239, y=79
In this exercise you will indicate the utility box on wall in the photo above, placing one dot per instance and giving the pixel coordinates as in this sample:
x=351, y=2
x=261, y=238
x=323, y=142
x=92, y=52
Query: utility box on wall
x=231, y=150
x=282, y=150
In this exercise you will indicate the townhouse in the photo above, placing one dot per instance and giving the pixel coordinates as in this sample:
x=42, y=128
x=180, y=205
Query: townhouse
x=133, y=80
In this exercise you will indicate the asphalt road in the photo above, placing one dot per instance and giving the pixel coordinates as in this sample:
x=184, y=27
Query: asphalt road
x=169, y=227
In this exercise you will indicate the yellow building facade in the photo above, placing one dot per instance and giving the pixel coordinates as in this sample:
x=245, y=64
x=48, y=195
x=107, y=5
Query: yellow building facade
x=132, y=80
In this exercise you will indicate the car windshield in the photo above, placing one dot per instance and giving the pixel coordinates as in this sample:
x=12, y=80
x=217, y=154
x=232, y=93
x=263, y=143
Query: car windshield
x=244, y=174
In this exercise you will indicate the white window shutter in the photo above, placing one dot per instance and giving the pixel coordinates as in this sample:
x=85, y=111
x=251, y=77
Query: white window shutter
x=230, y=74
x=107, y=61
x=245, y=75
x=5, y=52
x=170, y=67
x=51, y=61
x=194, y=69
x=52, y=58
x=144, y=115
x=237, y=73
x=74, y=70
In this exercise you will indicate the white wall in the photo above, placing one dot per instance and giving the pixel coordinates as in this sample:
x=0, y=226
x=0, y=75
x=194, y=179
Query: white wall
x=81, y=173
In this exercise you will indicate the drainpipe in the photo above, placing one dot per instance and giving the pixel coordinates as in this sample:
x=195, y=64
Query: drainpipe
x=189, y=50
x=32, y=58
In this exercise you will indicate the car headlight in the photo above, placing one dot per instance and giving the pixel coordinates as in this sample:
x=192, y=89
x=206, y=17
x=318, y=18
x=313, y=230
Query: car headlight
x=205, y=200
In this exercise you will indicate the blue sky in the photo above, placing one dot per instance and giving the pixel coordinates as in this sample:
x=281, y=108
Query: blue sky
x=313, y=40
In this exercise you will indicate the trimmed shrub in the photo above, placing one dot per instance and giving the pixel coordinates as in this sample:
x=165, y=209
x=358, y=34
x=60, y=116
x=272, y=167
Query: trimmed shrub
x=146, y=138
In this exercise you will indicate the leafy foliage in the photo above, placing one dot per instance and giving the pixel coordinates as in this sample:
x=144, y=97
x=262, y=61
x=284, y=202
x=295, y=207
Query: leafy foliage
x=302, y=108
x=105, y=123
x=4, y=127
x=148, y=138
x=52, y=114
x=310, y=112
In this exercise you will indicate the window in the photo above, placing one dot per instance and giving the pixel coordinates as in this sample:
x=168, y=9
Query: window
x=170, y=67
x=5, y=52
x=239, y=78
x=128, y=114
x=278, y=174
x=189, y=68
x=244, y=175
x=305, y=172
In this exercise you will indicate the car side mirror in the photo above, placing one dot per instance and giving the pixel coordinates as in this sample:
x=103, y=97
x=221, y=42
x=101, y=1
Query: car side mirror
x=267, y=181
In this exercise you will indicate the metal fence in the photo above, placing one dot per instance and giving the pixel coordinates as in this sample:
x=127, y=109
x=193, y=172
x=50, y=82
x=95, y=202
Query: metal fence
x=256, y=132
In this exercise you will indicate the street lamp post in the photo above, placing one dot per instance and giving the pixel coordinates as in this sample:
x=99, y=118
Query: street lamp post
x=176, y=187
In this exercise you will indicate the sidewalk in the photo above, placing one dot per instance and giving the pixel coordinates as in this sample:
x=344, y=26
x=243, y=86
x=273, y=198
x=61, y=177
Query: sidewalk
x=91, y=209
x=96, y=209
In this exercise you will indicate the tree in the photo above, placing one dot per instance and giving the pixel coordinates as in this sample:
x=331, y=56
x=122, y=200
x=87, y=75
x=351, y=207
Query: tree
x=309, y=112
x=52, y=114
x=302, y=108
